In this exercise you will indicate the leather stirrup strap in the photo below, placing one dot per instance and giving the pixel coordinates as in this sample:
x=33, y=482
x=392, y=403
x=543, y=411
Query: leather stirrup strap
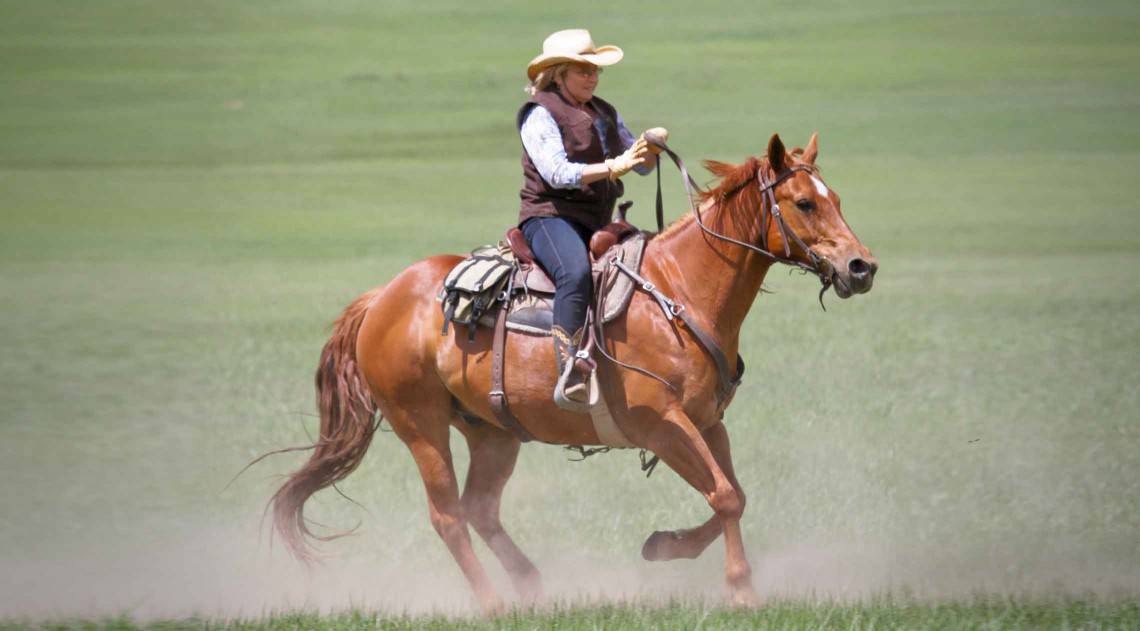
x=498, y=395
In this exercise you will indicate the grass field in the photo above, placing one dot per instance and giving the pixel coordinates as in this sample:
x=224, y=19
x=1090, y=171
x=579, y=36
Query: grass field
x=884, y=613
x=190, y=193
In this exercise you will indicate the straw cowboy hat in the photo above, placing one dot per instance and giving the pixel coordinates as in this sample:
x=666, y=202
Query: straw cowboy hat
x=572, y=45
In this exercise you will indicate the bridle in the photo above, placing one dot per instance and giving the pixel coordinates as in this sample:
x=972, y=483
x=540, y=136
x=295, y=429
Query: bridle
x=769, y=209
x=729, y=378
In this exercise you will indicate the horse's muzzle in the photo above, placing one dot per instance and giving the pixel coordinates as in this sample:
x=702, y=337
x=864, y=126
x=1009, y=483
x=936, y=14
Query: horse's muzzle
x=856, y=277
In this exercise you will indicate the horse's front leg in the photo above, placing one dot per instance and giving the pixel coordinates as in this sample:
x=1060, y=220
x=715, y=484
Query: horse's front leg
x=717, y=439
x=681, y=446
x=666, y=545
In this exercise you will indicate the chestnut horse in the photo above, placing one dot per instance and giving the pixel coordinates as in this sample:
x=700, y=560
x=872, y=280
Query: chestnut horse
x=386, y=354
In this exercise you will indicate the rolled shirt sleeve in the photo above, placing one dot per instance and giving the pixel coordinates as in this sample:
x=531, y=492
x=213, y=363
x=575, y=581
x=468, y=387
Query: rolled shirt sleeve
x=543, y=143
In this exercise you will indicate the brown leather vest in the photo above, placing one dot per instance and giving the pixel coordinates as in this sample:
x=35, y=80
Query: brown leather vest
x=592, y=205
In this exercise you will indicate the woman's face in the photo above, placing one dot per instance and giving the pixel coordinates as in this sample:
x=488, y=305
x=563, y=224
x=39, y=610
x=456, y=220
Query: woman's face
x=580, y=82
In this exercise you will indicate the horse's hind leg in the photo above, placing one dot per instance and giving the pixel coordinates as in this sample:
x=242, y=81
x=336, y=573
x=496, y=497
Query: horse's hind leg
x=426, y=435
x=493, y=456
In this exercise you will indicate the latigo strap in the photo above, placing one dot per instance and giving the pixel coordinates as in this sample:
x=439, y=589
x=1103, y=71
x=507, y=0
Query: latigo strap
x=498, y=396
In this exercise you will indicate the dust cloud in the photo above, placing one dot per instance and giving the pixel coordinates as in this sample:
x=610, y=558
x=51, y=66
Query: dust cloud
x=228, y=573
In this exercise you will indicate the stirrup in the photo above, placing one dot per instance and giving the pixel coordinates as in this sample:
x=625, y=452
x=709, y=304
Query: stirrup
x=593, y=391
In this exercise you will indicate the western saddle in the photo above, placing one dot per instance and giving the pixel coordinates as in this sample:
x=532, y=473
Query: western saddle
x=532, y=276
x=536, y=316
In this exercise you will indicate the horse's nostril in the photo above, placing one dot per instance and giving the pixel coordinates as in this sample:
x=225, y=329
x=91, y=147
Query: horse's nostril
x=859, y=267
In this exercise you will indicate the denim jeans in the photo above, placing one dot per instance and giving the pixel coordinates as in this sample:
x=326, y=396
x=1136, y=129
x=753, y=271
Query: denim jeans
x=560, y=246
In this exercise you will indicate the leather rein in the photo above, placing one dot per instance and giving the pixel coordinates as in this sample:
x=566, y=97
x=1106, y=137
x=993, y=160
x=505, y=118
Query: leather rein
x=769, y=209
x=728, y=379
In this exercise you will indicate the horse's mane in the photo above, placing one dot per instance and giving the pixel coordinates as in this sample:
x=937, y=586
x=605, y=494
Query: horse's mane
x=731, y=178
x=731, y=190
x=730, y=193
x=738, y=201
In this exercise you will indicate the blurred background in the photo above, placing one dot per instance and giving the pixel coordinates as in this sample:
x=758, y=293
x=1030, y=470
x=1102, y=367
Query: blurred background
x=191, y=192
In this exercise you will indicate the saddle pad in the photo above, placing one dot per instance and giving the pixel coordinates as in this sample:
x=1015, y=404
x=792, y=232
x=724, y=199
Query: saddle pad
x=531, y=312
x=619, y=287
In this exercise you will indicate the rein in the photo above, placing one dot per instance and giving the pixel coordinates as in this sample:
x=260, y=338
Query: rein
x=728, y=379
x=768, y=209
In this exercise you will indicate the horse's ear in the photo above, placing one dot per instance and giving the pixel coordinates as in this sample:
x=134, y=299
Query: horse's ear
x=812, y=149
x=777, y=156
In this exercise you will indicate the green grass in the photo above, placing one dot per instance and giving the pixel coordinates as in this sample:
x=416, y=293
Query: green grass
x=190, y=193
x=994, y=613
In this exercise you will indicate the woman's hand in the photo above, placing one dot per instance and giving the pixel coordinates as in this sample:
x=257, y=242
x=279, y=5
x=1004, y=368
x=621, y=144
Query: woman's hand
x=634, y=156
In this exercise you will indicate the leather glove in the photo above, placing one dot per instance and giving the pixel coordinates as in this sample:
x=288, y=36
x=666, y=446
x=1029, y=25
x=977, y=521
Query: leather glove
x=632, y=157
x=658, y=133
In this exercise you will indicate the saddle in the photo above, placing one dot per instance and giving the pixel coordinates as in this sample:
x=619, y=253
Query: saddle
x=503, y=288
x=506, y=276
x=532, y=303
x=600, y=243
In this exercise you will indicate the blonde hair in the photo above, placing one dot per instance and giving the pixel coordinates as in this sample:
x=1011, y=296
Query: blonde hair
x=546, y=77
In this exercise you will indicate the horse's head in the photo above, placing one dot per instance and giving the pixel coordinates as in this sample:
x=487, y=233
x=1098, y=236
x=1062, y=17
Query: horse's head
x=810, y=210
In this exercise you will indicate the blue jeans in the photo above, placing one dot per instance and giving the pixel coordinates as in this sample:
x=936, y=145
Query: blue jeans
x=560, y=246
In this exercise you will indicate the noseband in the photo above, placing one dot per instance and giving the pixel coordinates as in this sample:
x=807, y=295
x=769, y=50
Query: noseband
x=768, y=209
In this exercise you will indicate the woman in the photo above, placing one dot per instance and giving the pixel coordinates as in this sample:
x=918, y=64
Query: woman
x=575, y=149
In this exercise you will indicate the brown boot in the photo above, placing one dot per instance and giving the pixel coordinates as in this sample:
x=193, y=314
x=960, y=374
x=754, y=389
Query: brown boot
x=566, y=350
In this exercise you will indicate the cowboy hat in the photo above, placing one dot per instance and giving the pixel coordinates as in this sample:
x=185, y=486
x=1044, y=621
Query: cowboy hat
x=572, y=45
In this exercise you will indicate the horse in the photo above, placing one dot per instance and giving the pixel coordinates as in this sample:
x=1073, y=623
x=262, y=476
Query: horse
x=387, y=360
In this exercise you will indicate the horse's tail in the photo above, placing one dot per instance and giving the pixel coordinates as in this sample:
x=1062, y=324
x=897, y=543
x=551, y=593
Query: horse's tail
x=348, y=421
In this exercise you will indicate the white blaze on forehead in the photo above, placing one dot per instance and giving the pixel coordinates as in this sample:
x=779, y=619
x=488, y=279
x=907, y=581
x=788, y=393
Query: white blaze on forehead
x=820, y=187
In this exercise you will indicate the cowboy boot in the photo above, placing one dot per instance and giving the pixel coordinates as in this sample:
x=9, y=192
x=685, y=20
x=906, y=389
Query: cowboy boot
x=566, y=346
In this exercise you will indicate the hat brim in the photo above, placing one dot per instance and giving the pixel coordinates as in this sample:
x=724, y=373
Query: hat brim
x=602, y=56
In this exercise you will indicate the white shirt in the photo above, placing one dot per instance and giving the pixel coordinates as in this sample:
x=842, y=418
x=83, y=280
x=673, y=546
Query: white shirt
x=543, y=143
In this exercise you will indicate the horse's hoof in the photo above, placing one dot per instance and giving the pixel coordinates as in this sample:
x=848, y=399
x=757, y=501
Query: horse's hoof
x=744, y=599
x=656, y=545
x=530, y=590
x=492, y=608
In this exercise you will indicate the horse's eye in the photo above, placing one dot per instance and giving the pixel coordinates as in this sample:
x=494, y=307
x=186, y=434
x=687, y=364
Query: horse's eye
x=805, y=205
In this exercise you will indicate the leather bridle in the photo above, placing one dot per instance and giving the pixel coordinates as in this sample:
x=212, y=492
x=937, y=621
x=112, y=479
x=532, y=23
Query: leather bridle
x=769, y=209
x=728, y=378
